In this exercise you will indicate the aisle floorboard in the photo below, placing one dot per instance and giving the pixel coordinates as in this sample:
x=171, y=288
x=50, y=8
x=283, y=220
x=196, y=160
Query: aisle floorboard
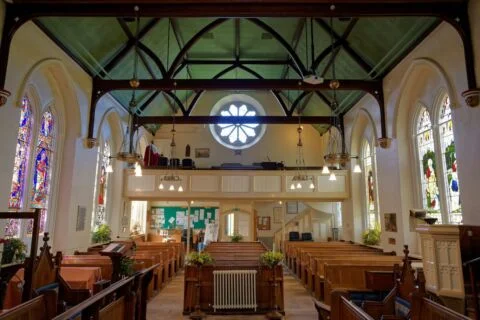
x=167, y=305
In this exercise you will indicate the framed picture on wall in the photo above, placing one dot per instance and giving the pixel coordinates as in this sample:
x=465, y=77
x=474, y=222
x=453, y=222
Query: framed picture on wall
x=292, y=207
x=202, y=153
x=391, y=222
x=277, y=214
x=263, y=223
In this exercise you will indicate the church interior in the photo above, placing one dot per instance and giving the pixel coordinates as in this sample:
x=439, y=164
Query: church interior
x=239, y=159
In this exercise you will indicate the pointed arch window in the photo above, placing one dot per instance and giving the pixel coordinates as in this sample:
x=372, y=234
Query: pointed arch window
x=449, y=162
x=42, y=170
x=20, y=166
x=428, y=164
x=370, y=180
x=102, y=183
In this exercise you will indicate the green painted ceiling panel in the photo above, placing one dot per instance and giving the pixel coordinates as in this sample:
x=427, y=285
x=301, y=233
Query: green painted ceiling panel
x=268, y=72
x=93, y=40
x=124, y=70
x=345, y=68
x=377, y=40
x=221, y=46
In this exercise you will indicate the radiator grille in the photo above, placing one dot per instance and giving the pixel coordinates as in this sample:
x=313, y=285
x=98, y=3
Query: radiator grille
x=234, y=289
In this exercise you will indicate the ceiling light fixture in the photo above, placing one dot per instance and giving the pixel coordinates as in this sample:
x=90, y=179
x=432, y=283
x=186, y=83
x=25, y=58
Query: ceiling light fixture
x=301, y=177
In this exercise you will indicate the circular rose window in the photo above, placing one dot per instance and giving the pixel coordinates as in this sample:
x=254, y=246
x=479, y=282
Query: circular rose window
x=237, y=135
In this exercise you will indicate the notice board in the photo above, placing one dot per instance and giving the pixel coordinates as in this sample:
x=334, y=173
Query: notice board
x=176, y=217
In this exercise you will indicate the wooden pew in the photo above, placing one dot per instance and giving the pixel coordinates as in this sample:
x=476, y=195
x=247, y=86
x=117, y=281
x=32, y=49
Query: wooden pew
x=319, y=280
x=43, y=307
x=407, y=300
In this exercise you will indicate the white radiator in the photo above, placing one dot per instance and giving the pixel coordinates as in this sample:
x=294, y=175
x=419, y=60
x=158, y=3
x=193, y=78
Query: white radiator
x=234, y=289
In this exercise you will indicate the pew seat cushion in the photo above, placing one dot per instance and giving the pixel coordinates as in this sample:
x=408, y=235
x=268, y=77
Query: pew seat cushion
x=402, y=308
x=359, y=297
x=51, y=286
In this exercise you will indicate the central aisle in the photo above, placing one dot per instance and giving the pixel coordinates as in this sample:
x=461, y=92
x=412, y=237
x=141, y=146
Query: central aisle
x=168, y=304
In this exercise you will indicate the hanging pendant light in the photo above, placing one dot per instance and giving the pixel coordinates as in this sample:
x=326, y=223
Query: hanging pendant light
x=325, y=169
x=172, y=188
x=292, y=187
x=109, y=168
x=180, y=189
x=312, y=186
x=357, y=169
x=332, y=177
x=161, y=187
x=300, y=176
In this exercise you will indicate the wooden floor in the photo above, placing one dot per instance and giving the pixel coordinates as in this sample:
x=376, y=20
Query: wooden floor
x=167, y=305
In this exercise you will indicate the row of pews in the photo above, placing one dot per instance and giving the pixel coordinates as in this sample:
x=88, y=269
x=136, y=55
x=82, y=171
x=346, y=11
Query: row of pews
x=355, y=282
x=112, y=295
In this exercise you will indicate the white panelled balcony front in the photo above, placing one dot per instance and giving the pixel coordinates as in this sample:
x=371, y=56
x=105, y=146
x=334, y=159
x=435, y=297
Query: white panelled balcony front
x=235, y=184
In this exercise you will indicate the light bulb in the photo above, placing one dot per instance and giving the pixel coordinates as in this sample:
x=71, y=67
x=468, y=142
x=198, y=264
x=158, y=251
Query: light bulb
x=357, y=169
x=172, y=188
x=180, y=189
x=109, y=169
x=161, y=186
x=299, y=186
x=279, y=202
x=312, y=186
x=332, y=177
x=325, y=170
x=292, y=187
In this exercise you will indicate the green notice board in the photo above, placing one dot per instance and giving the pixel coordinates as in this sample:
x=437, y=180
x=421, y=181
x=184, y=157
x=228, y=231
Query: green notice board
x=175, y=217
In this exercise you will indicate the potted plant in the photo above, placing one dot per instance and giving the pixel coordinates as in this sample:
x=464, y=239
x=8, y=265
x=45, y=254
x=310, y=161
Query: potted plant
x=372, y=237
x=126, y=267
x=199, y=259
x=271, y=259
x=237, y=238
x=13, y=250
x=102, y=234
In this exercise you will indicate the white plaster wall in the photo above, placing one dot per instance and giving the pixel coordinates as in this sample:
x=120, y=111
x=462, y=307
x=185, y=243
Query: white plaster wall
x=436, y=64
x=278, y=144
x=58, y=82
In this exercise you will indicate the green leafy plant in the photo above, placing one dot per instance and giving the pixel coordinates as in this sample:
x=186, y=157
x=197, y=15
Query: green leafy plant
x=199, y=259
x=102, y=234
x=126, y=267
x=13, y=249
x=271, y=258
x=237, y=238
x=372, y=237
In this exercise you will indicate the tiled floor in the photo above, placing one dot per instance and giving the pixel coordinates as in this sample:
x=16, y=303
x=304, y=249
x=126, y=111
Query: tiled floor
x=167, y=305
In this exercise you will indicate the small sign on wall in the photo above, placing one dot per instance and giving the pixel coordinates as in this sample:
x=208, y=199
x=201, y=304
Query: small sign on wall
x=81, y=215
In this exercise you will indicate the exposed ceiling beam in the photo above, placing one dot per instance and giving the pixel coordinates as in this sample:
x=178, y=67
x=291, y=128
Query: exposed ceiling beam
x=342, y=40
x=180, y=42
x=233, y=84
x=239, y=120
x=295, y=41
x=225, y=61
x=237, y=39
x=238, y=8
x=122, y=53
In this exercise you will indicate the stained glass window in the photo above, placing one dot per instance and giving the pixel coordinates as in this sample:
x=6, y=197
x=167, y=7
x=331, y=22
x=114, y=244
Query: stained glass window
x=370, y=181
x=17, y=190
x=21, y=156
x=428, y=167
x=449, y=160
x=45, y=148
x=100, y=215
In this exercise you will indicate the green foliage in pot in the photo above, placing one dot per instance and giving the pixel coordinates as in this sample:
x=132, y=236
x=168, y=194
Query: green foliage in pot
x=102, y=234
x=199, y=259
x=126, y=267
x=13, y=250
x=372, y=237
x=237, y=238
x=271, y=258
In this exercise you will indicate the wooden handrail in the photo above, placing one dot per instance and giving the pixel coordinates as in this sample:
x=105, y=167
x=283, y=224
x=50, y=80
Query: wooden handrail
x=101, y=295
x=475, y=260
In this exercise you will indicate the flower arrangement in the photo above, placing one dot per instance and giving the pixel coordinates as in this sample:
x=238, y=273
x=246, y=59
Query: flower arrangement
x=271, y=258
x=199, y=259
x=237, y=237
x=13, y=250
x=372, y=237
x=102, y=234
